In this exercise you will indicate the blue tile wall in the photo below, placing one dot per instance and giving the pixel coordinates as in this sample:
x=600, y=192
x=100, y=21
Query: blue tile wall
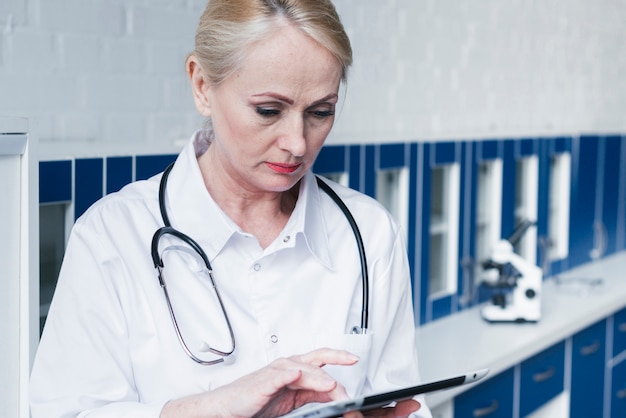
x=468, y=213
x=369, y=173
x=560, y=144
x=584, y=194
x=55, y=181
x=149, y=165
x=621, y=199
x=415, y=207
x=332, y=160
x=509, y=178
x=356, y=168
x=609, y=216
x=597, y=193
x=89, y=183
x=423, y=309
x=525, y=147
x=392, y=156
x=119, y=173
x=489, y=150
x=543, y=198
x=444, y=153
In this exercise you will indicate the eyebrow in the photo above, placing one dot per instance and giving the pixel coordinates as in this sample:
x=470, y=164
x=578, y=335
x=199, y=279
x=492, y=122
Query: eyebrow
x=291, y=102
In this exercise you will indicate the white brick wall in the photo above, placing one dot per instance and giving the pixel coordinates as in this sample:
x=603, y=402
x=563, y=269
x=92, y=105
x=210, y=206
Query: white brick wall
x=107, y=76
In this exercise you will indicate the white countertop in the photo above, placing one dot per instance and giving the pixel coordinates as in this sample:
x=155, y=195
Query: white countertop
x=464, y=341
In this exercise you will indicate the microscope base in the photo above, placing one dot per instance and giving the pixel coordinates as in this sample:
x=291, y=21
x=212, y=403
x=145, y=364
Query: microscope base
x=497, y=314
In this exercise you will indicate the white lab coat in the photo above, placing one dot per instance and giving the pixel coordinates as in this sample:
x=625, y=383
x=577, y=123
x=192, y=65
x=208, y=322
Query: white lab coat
x=109, y=346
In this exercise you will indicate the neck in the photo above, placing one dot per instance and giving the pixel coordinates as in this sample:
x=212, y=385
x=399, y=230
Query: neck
x=260, y=213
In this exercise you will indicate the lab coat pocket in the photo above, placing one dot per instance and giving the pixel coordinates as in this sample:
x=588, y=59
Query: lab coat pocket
x=353, y=377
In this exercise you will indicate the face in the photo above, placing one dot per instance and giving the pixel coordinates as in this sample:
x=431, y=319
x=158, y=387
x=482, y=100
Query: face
x=273, y=115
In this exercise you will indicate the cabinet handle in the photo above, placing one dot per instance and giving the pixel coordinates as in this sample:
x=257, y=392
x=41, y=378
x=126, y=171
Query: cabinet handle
x=622, y=327
x=621, y=394
x=542, y=377
x=483, y=412
x=590, y=349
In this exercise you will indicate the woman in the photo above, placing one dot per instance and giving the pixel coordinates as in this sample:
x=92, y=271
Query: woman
x=277, y=333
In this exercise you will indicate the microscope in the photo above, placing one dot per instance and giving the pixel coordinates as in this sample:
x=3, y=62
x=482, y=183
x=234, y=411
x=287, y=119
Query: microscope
x=516, y=283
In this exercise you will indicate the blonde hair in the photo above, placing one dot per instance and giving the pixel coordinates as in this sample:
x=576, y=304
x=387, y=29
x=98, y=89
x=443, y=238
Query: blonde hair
x=228, y=28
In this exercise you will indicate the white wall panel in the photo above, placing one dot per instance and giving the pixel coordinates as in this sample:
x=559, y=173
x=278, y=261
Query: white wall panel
x=424, y=70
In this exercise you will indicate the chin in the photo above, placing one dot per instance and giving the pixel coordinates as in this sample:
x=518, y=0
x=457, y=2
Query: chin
x=283, y=183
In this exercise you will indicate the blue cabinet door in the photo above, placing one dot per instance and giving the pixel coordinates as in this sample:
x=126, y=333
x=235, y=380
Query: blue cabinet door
x=619, y=332
x=491, y=399
x=587, y=390
x=618, y=391
x=542, y=378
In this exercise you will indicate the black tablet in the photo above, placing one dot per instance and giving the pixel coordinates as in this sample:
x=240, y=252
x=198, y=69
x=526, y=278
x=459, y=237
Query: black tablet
x=364, y=403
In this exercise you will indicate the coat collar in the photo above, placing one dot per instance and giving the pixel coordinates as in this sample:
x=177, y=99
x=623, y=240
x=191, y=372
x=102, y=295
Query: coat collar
x=193, y=211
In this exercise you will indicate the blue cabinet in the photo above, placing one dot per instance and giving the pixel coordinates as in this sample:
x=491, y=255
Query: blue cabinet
x=587, y=388
x=491, y=399
x=619, y=332
x=542, y=378
x=618, y=391
x=618, y=371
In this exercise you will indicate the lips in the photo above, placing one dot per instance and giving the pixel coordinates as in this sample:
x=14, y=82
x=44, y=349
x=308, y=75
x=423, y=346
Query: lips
x=283, y=168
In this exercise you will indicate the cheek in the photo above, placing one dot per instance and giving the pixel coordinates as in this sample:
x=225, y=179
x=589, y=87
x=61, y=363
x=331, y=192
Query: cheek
x=236, y=134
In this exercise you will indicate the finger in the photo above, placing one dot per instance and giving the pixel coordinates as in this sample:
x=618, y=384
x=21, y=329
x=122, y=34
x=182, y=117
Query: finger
x=353, y=414
x=308, y=377
x=309, y=392
x=323, y=356
x=401, y=409
x=277, y=381
x=313, y=383
x=406, y=408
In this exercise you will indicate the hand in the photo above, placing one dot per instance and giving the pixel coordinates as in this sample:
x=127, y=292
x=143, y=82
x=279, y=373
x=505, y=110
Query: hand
x=401, y=410
x=277, y=389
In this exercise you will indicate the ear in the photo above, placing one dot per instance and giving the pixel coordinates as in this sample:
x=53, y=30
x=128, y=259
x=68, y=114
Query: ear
x=199, y=86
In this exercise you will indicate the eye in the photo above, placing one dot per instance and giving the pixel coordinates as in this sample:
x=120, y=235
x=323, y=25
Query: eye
x=322, y=114
x=267, y=111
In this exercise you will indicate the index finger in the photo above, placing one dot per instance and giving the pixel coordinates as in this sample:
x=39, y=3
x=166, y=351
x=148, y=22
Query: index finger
x=324, y=356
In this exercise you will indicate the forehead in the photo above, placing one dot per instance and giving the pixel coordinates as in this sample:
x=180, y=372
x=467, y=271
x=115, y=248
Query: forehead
x=289, y=62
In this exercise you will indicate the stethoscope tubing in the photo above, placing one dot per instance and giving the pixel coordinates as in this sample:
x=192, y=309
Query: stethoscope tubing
x=169, y=230
x=359, y=241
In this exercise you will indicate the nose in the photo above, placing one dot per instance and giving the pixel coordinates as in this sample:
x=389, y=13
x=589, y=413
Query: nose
x=292, y=136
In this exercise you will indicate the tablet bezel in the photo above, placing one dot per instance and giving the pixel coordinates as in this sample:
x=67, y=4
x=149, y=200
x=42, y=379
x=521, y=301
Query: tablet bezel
x=378, y=400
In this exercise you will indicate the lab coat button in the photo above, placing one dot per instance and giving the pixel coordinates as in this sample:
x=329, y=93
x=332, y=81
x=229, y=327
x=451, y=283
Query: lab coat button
x=274, y=339
x=256, y=267
x=287, y=238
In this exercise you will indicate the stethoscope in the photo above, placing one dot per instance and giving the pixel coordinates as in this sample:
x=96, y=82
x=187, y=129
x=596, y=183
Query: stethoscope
x=169, y=230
